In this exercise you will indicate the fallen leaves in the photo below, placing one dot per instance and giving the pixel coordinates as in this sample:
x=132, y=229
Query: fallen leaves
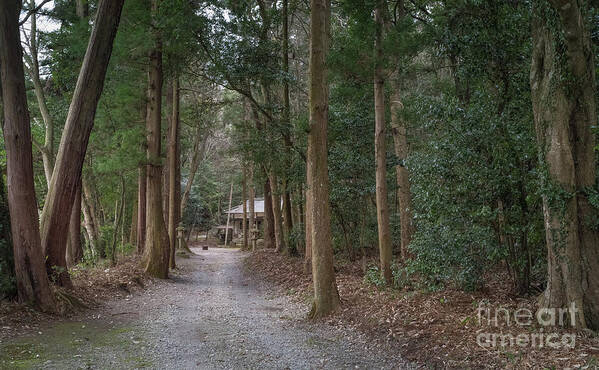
x=437, y=329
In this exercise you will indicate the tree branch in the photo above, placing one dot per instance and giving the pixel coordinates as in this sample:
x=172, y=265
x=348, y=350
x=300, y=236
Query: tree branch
x=32, y=11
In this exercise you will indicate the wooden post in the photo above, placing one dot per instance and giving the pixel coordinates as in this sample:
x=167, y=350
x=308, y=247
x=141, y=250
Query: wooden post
x=228, y=215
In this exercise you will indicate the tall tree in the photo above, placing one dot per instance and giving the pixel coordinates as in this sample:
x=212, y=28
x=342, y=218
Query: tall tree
x=156, y=253
x=174, y=204
x=75, y=137
x=382, y=206
x=400, y=146
x=326, y=296
x=287, y=218
x=32, y=281
x=562, y=80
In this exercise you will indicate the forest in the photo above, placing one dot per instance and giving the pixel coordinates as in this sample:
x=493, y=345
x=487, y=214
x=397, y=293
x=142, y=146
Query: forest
x=439, y=153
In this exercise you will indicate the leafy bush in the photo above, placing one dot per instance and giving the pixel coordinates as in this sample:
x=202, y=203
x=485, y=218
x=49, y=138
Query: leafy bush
x=373, y=276
x=297, y=236
x=475, y=192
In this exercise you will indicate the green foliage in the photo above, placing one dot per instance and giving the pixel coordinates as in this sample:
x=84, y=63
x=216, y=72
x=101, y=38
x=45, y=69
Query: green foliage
x=373, y=277
x=297, y=235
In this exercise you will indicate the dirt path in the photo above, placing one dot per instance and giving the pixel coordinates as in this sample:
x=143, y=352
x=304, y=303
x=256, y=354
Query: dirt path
x=210, y=315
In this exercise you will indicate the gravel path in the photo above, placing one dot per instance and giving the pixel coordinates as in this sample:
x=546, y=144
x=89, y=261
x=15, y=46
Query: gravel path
x=211, y=315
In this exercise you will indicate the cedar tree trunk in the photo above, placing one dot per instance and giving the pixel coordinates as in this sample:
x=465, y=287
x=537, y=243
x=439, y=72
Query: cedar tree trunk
x=32, y=281
x=326, y=296
x=382, y=206
x=156, y=253
x=73, y=144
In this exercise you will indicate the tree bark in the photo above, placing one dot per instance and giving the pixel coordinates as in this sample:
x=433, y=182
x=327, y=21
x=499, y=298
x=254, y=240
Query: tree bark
x=156, y=253
x=74, y=248
x=73, y=145
x=82, y=8
x=89, y=205
x=326, y=296
x=88, y=223
x=269, y=229
x=287, y=219
x=563, y=89
x=174, y=210
x=165, y=186
x=252, y=200
x=308, y=224
x=133, y=228
x=244, y=225
x=229, y=217
x=382, y=206
x=276, y=212
x=404, y=194
x=141, y=208
x=117, y=222
x=32, y=281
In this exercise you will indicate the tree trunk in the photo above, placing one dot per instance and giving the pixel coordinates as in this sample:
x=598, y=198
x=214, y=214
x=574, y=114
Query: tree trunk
x=326, y=296
x=165, y=186
x=199, y=148
x=295, y=214
x=399, y=130
x=287, y=219
x=276, y=212
x=117, y=221
x=156, y=253
x=251, y=202
x=89, y=201
x=308, y=223
x=141, y=208
x=133, y=228
x=174, y=210
x=80, y=120
x=74, y=248
x=244, y=225
x=32, y=281
x=229, y=217
x=562, y=82
x=47, y=150
x=88, y=223
x=82, y=8
x=382, y=206
x=269, y=229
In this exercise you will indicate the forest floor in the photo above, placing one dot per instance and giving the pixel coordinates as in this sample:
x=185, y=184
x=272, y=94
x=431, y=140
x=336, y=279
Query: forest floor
x=211, y=313
x=436, y=329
